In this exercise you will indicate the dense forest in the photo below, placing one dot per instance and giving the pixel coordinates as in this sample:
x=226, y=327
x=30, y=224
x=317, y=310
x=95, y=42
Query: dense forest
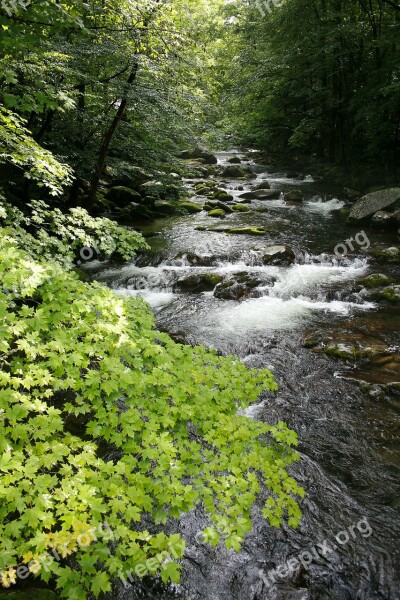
x=110, y=428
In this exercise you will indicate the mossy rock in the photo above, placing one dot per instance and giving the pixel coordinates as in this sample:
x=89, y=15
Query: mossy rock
x=388, y=255
x=164, y=207
x=246, y=231
x=294, y=196
x=375, y=280
x=217, y=213
x=264, y=185
x=388, y=294
x=191, y=207
x=241, y=208
x=122, y=196
x=262, y=209
x=202, y=191
x=222, y=195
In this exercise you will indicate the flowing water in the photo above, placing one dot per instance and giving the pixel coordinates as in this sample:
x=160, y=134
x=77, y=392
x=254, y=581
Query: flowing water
x=348, y=434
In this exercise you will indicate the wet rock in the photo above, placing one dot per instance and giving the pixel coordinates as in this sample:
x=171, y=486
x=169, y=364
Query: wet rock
x=122, y=196
x=262, y=195
x=374, y=202
x=278, y=255
x=164, y=207
x=247, y=231
x=214, y=205
x=224, y=196
x=294, y=196
x=235, y=160
x=241, y=286
x=346, y=345
x=240, y=208
x=264, y=185
x=196, y=284
x=233, y=171
x=199, y=154
x=217, y=213
x=388, y=255
x=380, y=373
x=375, y=280
x=191, y=207
x=194, y=259
x=384, y=220
x=387, y=294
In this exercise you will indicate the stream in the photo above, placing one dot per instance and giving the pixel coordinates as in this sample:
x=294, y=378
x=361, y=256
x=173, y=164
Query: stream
x=348, y=431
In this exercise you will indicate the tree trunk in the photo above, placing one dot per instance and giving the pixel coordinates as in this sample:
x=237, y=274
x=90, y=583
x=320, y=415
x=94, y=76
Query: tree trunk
x=105, y=144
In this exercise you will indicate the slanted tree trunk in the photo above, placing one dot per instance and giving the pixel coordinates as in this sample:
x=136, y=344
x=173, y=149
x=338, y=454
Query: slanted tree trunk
x=108, y=136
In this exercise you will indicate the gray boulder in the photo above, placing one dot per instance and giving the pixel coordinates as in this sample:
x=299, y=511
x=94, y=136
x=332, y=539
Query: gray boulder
x=374, y=202
x=261, y=195
x=195, y=284
x=278, y=255
x=199, y=154
x=122, y=196
x=233, y=171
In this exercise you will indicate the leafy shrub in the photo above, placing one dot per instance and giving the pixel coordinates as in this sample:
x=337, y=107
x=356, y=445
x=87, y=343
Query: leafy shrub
x=54, y=235
x=104, y=419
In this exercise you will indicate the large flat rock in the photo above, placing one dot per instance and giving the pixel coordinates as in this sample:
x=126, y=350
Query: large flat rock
x=372, y=203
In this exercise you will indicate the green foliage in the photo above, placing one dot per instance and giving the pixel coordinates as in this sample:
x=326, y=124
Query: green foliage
x=104, y=419
x=54, y=235
x=18, y=148
x=334, y=92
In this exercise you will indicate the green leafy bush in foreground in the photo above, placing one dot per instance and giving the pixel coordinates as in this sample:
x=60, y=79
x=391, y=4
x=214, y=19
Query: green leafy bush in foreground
x=105, y=420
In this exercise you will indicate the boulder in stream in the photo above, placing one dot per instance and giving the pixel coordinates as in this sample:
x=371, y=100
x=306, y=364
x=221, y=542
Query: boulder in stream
x=375, y=280
x=387, y=255
x=191, y=207
x=278, y=256
x=240, y=286
x=264, y=185
x=235, y=160
x=199, y=154
x=389, y=294
x=261, y=195
x=294, y=196
x=233, y=171
x=195, y=284
x=371, y=203
x=217, y=213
